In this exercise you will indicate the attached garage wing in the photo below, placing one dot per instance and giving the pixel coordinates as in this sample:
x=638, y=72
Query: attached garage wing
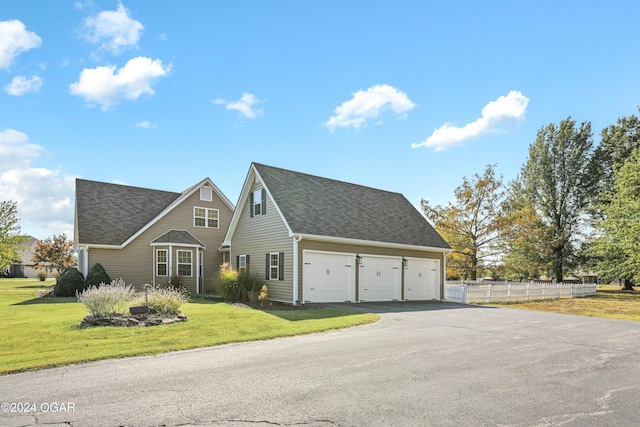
x=421, y=279
x=328, y=277
x=380, y=278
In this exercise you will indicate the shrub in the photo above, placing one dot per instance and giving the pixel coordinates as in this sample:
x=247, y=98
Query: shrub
x=69, y=283
x=164, y=301
x=250, y=281
x=107, y=300
x=42, y=275
x=97, y=276
x=175, y=282
x=234, y=285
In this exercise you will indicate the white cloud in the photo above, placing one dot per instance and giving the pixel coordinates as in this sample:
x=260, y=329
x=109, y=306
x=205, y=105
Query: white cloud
x=21, y=85
x=145, y=124
x=497, y=117
x=45, y=197
x=114, y=30
x=369, y=104
x=15, y=39
x=245, y=105
x=107, y=87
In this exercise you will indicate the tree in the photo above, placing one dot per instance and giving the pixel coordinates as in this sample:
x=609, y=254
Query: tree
x=54, y=254
x=558, y=179
x=471, y=224
x=617, y=241
x=10, y=238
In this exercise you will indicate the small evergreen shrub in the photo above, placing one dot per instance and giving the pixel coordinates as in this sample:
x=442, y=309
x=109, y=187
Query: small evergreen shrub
x=70, y=282
x=107, y=300
x=164, y=301
x=96, y=276
x=42, y=275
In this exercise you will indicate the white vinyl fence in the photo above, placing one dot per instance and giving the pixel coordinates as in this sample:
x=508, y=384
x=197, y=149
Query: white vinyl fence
x=469, y=292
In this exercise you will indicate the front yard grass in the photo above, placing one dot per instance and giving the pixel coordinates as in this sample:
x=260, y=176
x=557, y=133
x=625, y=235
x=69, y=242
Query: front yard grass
x=38, y=333
x=610, y=301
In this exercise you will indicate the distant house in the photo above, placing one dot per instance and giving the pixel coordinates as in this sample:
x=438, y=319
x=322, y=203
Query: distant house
x=149, y=236
x=315, y=239
x=24, y=265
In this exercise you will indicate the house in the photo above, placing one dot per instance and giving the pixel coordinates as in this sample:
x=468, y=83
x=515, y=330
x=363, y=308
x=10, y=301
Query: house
x=315, y=239
x=149, y=236
x=24, y=265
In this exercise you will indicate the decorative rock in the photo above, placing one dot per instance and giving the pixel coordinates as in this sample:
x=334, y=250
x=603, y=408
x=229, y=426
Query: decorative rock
x=126, y=321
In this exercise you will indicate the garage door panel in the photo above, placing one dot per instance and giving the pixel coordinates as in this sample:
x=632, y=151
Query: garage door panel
x=422, y=279
x=379, y=278
x=328, y=277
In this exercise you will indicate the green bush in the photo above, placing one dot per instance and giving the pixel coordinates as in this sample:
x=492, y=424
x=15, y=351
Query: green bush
x=250, y=281
x=234, y=285
x=70, y=282
x=42, y=275
x=163, y=301
x=97, y=276
x=107, y=300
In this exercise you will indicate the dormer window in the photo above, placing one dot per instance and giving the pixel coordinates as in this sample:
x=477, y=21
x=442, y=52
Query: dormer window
x=206, y=194
x=258, y=203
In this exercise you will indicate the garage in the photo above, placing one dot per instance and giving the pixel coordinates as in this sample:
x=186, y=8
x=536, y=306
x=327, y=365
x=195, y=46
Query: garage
x=380, y=278
x=328, y=277
x=421, y=279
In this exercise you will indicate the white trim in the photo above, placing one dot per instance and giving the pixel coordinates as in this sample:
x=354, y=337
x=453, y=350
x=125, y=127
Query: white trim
x=166, y=263
x=206, y=217
x=277, y=266
x=242, y=257
x=206, y=197
x=296, y=240
x=359, y=242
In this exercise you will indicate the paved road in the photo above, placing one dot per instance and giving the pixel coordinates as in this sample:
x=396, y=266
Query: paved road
x=428, y=364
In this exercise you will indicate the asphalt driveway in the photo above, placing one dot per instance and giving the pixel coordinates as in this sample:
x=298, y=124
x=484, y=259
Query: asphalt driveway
x=423, y=364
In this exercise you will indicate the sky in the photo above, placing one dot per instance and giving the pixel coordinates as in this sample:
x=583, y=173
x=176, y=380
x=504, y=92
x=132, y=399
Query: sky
x=405, y=96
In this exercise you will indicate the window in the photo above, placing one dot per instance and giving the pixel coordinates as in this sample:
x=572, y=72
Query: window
x=275, y=266
x=161, y=262
x=184, y=263
x=257, y=202
x=206, y=194
x=203, y=217
x=242, y=262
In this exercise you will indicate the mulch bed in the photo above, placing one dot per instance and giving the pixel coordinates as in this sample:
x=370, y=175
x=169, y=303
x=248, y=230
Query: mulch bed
x=270, y=305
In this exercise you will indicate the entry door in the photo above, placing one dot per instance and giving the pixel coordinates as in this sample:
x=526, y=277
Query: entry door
x=422, y=279
x=379, y=278
x=328, y=277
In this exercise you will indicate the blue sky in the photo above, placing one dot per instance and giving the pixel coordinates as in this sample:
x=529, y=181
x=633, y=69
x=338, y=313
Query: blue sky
x=406, y=96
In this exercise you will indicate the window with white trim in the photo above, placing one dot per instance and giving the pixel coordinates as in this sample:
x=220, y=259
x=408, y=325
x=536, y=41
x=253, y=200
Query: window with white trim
x=204, y=217
x=242, y=262
x=206, y=194
x=184, y=263
x=274, y=266
x=162, y=262
x=257, y=202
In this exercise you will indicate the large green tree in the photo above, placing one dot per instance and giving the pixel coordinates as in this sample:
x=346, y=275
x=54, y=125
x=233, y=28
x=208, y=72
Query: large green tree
x=558, y=179
x=10, y=238
x=471, y=223
x=616, y=245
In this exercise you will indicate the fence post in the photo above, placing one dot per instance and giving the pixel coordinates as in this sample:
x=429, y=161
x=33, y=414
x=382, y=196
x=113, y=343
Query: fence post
x=489, y=294
x=527, y=291
x=464, y=293
x=509, y=292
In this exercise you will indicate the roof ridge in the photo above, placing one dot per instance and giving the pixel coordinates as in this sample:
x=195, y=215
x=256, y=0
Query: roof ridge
x=128, y=186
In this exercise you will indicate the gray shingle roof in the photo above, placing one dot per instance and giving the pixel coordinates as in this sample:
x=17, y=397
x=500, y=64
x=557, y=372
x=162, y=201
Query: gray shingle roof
x=326, y=207
x=181, y=237
x=108, y=214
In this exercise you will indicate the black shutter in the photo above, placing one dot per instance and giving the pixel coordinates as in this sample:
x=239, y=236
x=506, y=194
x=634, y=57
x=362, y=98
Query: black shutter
x=247, y=261
x=238, y=262
x=267, y=268
x=264, y=201
x=251, y=205
x=281, y=266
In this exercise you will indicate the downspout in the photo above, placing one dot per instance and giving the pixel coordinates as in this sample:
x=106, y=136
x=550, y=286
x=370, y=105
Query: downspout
x=444, y=275
x=296, y=240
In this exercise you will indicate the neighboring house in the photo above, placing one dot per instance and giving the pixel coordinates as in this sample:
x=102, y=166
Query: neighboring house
x=24, y=265
x=315, y=239
x=146, y=236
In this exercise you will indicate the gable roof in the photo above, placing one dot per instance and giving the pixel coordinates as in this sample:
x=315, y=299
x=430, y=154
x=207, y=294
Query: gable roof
x=181, y=237
x=113, y=214
x=323, y=207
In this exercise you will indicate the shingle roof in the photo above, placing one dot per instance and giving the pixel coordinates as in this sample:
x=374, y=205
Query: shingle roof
x=108, y=214
x=325, y=207
x=182, y=237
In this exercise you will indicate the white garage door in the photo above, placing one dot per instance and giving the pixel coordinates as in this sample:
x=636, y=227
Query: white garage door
x=379, y=278
x=422, y=279
x=328, y=277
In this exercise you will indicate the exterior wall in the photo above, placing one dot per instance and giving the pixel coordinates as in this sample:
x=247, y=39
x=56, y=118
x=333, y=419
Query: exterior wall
x=364, y=250
x=135, y=262
x=262, y=234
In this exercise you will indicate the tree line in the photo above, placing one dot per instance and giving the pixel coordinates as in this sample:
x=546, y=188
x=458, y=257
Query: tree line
x=573, y=208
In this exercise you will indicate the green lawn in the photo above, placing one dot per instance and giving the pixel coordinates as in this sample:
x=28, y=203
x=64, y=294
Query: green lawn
x=609, y=301
x=37, y=333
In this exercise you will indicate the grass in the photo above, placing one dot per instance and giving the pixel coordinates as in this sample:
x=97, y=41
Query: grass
x=610, y=302
x=38, y=333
